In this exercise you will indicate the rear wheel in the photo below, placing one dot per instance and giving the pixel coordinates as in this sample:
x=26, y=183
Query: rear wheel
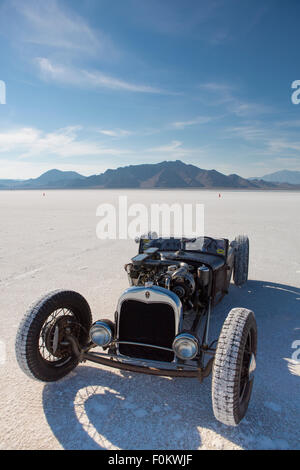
x=234, y=366
x=241, y=260
x=42, y=349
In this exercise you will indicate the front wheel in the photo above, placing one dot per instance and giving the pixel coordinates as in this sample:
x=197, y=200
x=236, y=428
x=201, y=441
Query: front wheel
x=234, y=366
x=42, y=349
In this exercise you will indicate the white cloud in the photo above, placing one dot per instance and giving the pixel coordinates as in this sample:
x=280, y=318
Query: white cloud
x=175, y=150
x=174, y=145
x=243, y=108
x=29, y=142
x=115, y=132
x=192, y=122
x=50, y=24
x=282, y=145
x=20, y=169
x=220, y=94
x=247, y=132
x=90, y=79
x=18, y=138
x=272, y=140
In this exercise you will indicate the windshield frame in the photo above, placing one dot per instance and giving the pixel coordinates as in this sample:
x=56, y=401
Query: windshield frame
x=151, y=243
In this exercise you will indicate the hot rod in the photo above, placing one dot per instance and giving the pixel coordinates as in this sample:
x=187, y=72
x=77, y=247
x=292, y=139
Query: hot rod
x=161, y=323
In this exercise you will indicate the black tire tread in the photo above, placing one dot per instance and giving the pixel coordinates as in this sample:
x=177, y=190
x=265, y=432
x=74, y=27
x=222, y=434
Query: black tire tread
x=227, y=365
x=241, y=260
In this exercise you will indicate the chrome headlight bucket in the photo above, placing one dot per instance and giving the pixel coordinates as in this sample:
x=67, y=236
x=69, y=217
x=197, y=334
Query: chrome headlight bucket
x=185, y=346
x=101, y=333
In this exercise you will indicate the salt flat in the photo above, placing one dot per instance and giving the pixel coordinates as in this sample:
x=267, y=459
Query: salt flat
x=50, y=242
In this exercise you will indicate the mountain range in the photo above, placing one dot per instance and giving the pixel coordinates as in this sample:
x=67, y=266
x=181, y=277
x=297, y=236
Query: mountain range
x=167, y=174
x=282, y=176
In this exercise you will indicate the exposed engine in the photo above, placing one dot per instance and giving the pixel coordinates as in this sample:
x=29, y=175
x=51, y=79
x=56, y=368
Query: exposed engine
x=179, y=277
x=180, y=280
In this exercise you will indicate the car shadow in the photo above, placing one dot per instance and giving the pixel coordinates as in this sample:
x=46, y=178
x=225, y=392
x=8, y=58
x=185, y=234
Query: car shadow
x=100, y=408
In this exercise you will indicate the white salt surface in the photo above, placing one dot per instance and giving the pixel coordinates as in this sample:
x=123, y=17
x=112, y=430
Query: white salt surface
x=50, y=242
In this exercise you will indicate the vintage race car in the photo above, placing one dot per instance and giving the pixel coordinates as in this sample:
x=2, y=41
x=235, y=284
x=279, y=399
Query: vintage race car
x=161, y=324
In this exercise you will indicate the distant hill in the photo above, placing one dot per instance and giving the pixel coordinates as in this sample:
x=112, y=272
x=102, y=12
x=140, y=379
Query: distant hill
x=5, y=184
x=52, y=179
x=54, y=176
x=283, y=176
x=167, y=174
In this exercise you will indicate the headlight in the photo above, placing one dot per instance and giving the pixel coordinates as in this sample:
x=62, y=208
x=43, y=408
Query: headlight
x=185, y=346
x=101, y=333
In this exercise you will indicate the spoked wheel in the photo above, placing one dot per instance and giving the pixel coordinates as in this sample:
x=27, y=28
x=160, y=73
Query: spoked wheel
x=247, y=371
x=42, y=347
x=234, y=366
x=53, y=343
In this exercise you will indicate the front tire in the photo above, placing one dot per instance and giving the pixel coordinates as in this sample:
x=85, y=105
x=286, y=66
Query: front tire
x=41, y=348
x=234, y=366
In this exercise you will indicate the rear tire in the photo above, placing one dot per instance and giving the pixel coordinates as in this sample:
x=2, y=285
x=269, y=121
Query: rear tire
x=234, y=366
x=38, y=347
x=241, y=260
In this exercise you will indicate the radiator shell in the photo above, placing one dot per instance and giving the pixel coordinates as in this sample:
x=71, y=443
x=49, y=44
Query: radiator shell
x=151, y=315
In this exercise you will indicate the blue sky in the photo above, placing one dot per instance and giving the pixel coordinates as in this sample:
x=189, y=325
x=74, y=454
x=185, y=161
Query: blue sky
x=97, y=84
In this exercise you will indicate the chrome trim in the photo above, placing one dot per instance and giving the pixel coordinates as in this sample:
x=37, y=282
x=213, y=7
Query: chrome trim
x=157, y=295
x=189, y=337
x=144, y=345
x=106, y=327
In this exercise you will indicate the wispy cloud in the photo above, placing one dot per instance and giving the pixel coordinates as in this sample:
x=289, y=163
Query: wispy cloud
x=176, y=150
x=89, y=79
x=219, y=94
x=277, y=145
x=192, y=122
x=64, y=143
x=273, y=140
x=270, y=141
x=115, y=132
x=174, y=145
x=22, y=169
x=247, y=132
x=53, y=25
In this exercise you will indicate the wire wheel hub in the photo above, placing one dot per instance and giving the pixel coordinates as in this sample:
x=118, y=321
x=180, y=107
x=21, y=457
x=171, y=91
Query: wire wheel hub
x=54, y=336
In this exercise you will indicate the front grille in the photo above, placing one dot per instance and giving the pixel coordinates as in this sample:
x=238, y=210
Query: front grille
x=149, y=323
